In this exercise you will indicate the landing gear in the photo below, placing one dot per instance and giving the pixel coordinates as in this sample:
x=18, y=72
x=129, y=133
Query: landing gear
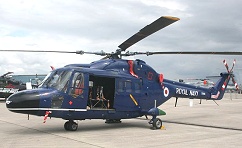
x=156, y=123
x=71, y=126
x=113, y=121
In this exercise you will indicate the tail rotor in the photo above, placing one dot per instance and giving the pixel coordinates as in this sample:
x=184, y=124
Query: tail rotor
x=231, y=72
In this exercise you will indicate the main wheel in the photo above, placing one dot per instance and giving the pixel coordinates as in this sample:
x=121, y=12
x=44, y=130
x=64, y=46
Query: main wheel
x=157, y=123
x=66, y=125
x=71, y=126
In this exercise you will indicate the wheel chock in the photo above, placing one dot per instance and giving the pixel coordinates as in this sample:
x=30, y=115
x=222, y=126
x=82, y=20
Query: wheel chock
x=163, y=127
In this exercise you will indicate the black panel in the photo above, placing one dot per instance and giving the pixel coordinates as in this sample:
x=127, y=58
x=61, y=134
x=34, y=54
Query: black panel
x=24, y=100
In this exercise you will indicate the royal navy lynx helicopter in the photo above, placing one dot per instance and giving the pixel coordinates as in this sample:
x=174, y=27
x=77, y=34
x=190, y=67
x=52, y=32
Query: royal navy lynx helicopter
x=111, y=88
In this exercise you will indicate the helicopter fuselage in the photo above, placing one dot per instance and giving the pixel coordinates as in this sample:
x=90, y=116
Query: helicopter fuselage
x=106, y=89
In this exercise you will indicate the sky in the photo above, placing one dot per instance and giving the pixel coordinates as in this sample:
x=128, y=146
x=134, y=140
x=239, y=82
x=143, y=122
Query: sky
x=209, y=25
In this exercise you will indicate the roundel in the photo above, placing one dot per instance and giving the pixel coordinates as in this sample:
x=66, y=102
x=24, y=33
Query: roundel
x=166, y=91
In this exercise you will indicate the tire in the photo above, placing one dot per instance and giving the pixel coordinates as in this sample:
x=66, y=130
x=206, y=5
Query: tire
x=157, y=123
x=67, y=125
x=71, y=126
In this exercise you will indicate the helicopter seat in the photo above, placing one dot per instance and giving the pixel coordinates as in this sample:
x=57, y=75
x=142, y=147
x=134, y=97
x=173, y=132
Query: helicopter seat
x=99, y=103
x=79, y=88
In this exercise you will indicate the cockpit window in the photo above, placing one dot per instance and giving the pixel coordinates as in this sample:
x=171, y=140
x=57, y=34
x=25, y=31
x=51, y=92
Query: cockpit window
x=45, y=79
x=58, y=80
x=77, y=85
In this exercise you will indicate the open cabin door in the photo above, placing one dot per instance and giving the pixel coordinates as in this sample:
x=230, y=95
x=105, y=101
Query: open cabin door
x=101, y=92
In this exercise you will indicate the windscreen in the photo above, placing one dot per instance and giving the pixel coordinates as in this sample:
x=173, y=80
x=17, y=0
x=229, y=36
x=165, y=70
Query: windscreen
x=58, y=80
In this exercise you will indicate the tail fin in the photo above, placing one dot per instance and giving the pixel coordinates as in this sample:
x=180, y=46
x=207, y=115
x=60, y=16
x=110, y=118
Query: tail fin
x=217, y=92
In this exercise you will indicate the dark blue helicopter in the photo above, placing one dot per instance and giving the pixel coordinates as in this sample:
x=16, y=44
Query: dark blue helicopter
x=111, y=88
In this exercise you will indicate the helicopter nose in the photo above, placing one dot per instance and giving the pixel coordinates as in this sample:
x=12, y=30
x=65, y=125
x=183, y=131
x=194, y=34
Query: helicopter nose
x=24, y=102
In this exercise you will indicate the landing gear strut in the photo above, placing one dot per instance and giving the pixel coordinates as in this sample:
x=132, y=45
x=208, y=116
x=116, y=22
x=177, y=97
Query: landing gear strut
x=71, y=125
x=156, y=123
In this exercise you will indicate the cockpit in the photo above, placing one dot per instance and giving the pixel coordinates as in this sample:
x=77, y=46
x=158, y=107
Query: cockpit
x=73, y=84
x=65, y=80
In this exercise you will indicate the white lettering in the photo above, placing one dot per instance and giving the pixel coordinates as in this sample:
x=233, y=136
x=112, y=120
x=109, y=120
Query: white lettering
x=193, y=93
x=183, y=91
x=8, y=90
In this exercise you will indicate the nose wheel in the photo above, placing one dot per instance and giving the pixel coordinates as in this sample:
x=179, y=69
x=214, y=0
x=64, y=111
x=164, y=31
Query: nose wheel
x=156, y=123
x=71, y=126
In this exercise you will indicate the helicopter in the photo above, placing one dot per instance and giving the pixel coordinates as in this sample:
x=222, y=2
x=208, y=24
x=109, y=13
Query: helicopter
x=203, y=82
x=111, y=88
x=9, y=85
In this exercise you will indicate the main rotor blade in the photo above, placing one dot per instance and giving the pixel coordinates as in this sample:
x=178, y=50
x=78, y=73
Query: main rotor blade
x=148, y=30
x=81, y=52
x=54, y=51
x=191, y=52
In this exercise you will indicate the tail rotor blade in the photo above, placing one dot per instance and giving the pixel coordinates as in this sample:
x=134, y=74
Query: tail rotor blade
x=235, y=83
x=226, y=65
x=233, y=66
x=230, y=72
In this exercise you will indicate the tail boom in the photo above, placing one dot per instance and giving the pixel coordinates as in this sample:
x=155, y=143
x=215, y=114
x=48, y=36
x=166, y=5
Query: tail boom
x=181, y=90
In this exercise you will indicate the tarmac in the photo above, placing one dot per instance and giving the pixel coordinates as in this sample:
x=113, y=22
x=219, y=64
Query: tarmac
x=200, y=125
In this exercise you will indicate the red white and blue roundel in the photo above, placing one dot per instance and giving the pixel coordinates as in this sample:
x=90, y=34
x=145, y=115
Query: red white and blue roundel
x=166, y=92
